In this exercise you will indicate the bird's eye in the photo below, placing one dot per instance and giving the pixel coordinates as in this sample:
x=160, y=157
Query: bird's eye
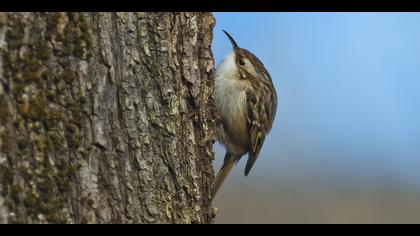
x=241, y=62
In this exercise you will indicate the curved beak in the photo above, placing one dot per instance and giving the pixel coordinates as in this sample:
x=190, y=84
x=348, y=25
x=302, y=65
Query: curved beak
x=231, y=40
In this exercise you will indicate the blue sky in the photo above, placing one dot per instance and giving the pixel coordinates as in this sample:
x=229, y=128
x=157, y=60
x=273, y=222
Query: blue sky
x=348, y=89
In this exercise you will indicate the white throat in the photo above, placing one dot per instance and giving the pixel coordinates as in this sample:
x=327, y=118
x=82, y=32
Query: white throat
x=227, y=69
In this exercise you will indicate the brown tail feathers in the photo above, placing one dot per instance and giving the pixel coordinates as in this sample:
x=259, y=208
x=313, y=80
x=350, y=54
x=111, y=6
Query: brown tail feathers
x=228, y=163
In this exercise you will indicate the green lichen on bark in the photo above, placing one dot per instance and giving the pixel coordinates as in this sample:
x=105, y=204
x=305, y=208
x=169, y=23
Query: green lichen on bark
x=37, y=83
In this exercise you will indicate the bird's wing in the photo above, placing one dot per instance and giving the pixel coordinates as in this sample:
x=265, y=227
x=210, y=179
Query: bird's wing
x=257, y=128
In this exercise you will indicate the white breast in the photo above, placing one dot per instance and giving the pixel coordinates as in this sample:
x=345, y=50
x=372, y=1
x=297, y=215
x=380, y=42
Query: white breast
x=230, y=99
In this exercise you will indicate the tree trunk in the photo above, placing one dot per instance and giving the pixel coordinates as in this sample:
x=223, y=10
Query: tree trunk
x=106, y=117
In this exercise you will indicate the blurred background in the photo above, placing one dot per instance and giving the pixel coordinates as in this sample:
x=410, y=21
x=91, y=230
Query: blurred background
x=346, y=140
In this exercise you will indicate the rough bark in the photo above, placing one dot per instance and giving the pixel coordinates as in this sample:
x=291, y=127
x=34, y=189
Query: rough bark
x=106, y=117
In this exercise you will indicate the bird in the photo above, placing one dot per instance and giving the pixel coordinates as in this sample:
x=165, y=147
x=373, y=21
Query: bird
x=246, y=104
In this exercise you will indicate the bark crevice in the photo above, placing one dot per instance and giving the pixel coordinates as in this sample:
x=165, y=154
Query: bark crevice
x=106, y=117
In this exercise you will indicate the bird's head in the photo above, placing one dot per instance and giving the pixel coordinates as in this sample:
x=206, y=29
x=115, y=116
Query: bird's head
x=247, y=64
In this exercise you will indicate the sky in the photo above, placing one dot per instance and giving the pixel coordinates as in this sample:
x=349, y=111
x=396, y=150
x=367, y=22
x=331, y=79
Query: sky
x=348, y=87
